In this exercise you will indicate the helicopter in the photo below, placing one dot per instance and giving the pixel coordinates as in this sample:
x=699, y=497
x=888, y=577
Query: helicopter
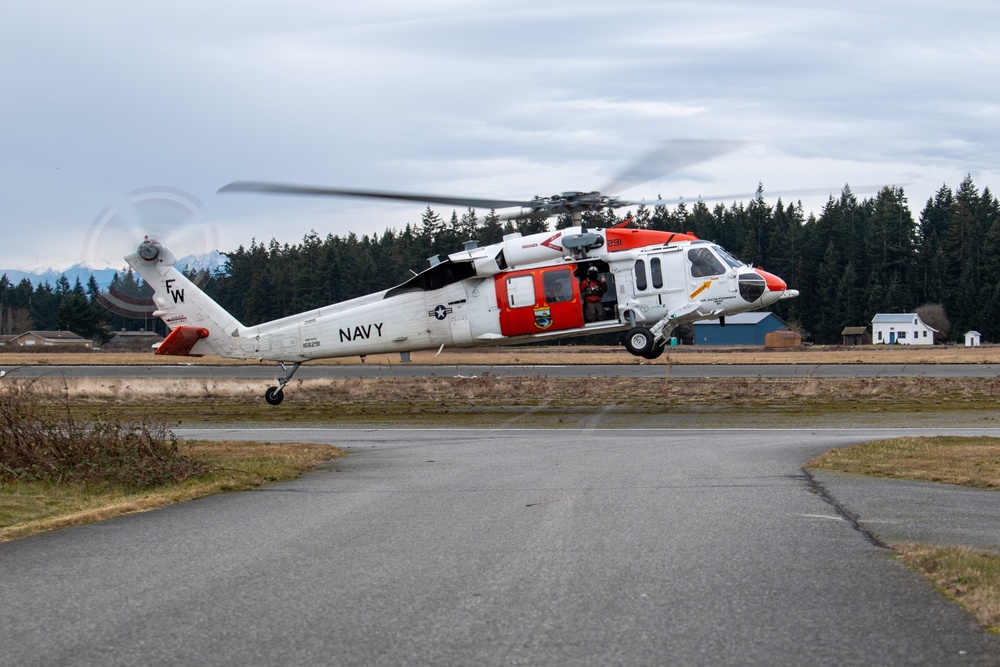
x=519, y=290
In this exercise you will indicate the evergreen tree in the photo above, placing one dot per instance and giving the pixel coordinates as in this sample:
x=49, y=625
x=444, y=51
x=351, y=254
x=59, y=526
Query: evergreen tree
x=75, y=314
x=891, y=243
x=491, y=230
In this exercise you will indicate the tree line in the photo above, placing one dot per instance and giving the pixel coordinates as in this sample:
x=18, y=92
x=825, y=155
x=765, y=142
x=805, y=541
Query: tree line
x=856, y=258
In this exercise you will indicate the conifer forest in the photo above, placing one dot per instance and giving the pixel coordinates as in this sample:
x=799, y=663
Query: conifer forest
x=856, y=257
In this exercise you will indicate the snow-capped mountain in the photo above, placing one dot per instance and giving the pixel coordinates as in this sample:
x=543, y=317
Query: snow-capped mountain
x=209, y=261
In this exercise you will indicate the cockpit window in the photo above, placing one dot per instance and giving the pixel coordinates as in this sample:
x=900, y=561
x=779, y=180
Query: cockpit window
x=704, y=263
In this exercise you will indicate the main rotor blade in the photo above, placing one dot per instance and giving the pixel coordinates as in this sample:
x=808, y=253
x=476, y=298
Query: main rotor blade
x=524, y=215
x=669, y=157
x=288, y=189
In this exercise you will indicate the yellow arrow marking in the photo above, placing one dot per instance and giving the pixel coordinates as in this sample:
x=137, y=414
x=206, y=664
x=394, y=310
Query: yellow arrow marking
x=705, y=286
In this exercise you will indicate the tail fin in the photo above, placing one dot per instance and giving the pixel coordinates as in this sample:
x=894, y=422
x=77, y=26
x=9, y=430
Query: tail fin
x=199, y=325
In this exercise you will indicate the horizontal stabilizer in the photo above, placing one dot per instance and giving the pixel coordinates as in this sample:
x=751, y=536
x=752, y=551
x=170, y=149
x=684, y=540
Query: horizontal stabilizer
x=180, y=341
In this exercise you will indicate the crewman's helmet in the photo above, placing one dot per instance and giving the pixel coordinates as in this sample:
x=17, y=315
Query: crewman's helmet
x=592, y=271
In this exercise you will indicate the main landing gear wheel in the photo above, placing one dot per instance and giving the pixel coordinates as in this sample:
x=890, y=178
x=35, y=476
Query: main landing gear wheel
x=639, y=341
x=654, y=353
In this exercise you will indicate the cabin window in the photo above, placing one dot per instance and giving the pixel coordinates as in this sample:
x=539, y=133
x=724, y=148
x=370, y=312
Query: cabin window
x=655, y=273
x=704, y=263
x=902, y=334
x=640, y=275
x=521, y=291
x=558, y=286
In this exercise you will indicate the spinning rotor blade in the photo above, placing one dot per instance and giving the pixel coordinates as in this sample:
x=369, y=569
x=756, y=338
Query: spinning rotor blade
x=669, y=157
x=287, y=189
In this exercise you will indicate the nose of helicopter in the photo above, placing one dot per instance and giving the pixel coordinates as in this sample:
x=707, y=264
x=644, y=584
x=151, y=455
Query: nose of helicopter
x=773, y=282
x=776, y=288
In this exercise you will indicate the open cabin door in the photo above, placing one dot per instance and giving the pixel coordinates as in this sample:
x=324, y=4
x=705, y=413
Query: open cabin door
x=539, y=300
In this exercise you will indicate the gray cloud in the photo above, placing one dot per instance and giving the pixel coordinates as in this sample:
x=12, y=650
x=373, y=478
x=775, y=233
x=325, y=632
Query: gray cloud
x=498, y=99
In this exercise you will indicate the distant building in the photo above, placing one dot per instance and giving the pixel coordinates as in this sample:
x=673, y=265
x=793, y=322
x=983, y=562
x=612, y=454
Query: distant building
x=133, y=341
x=50, y=341
x=901, y=329
x=855, y=336
x=972, y=338
x=742, y=329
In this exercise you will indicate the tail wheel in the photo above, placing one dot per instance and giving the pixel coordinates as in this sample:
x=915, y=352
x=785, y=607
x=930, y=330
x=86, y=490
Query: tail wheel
x=639, y=341
x=274, y=395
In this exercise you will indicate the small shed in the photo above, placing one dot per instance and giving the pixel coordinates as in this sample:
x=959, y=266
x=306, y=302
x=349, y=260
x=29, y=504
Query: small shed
x=972, y=338
x=855, y=336
x=901, y=329
x=741, y=329
x=50, y=341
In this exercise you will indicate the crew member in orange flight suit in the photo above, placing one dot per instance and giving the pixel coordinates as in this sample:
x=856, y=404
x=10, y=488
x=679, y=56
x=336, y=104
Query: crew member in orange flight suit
x=592, y=290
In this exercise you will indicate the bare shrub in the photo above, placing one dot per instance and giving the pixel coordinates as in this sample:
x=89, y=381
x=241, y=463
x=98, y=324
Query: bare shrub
x=41, y=439
x=935, y=316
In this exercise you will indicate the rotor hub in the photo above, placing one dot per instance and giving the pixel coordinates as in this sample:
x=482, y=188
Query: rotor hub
x=149, y=250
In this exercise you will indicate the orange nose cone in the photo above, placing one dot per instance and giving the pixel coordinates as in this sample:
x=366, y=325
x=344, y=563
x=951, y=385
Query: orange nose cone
x=774, y=283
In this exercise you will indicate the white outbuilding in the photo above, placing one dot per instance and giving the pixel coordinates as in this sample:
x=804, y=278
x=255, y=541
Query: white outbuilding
x=901, y=329
x=972, y=338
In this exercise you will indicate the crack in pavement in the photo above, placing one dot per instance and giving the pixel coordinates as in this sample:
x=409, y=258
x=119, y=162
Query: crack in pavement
x=816, y=487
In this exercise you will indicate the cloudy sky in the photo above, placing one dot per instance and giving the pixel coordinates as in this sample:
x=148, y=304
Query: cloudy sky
x=124, y=118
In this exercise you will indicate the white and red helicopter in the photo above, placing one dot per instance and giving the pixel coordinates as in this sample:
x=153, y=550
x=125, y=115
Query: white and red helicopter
x=522, y=289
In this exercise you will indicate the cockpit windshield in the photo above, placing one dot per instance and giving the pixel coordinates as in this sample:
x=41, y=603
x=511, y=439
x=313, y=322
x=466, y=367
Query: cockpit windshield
x=727, y=258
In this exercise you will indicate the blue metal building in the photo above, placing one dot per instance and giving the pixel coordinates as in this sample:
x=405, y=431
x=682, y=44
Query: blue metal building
x=742, y=329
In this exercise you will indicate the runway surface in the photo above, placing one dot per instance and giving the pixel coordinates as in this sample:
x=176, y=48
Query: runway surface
x=505, y=547
x=650, y=370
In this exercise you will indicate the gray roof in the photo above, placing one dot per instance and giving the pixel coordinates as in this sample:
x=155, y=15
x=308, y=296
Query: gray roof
x=55, y=335
x=893, y=318
x=743, y=318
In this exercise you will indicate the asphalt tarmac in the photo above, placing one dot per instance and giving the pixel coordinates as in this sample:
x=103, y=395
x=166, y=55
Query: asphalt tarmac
x=513, y=547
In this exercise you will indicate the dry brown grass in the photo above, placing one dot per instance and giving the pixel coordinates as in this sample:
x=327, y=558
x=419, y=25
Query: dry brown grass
x=489, y=389
x=33, y=507
x=972, y=578
x=971, y=462
x=567, y=354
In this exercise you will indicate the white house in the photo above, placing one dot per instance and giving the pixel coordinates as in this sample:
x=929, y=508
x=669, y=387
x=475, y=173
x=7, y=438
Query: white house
x=972, y=338
x=902, y=329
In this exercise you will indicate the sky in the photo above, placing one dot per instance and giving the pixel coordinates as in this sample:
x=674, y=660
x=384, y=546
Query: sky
x=121, y=119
